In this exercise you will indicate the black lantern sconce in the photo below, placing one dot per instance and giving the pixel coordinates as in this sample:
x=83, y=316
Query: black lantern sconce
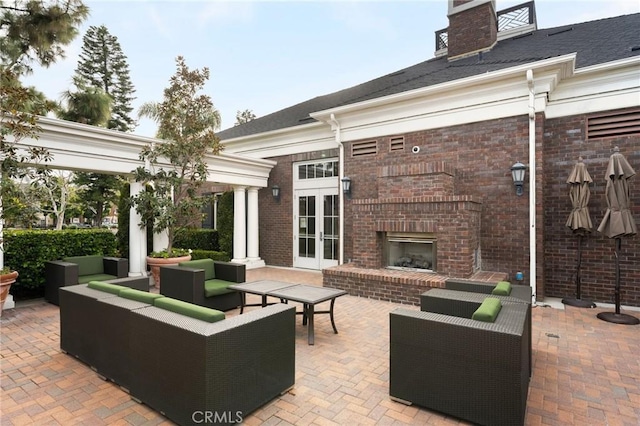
x=275, y=191
x=517, y=173
x=346, y=186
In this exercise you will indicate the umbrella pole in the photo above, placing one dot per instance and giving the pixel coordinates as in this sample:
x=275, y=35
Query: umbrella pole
x=577, y=301
x=578, y=283
x=617, y=317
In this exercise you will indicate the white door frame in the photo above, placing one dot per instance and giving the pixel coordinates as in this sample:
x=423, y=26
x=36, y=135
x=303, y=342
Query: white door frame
x=318, y=187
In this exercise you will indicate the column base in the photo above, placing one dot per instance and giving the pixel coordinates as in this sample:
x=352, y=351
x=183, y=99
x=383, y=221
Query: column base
x=255, y=262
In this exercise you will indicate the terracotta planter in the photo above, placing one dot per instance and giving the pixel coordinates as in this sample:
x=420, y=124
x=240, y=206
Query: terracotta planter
x=5, y=284
x=156, y=262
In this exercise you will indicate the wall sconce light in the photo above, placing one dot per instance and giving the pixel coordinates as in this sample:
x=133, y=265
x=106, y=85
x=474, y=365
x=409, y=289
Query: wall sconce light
x=346, y=186
x=275, y=191
x=517, y=173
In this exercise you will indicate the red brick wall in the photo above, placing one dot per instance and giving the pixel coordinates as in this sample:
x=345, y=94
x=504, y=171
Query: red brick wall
x=482, y=155
x=472, y=30
x=565, y=141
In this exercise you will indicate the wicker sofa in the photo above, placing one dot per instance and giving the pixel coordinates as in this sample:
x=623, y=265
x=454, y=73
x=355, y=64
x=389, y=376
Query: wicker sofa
x=473, y=370
x=76, y=270
x=177, y=364
x=204, y=282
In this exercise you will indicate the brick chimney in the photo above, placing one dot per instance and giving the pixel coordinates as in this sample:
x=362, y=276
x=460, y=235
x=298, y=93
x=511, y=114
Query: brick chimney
x=473, y=27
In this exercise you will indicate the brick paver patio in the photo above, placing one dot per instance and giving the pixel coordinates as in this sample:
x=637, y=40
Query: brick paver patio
x=586, y=371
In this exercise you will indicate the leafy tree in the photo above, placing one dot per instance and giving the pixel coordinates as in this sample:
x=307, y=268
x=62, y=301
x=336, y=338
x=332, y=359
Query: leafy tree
x=97, y=191
x=244, y=117
x=152, y=110
x=177, y=167
x=32, y=32
x=37, y=31
x=55, y=192
x=89, y=105
x=104, y=66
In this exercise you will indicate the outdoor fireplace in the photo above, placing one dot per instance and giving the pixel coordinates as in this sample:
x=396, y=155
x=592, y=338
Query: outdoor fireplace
x=410, y=251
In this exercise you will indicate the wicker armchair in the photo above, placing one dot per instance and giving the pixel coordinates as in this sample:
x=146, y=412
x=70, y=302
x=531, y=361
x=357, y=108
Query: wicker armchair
x=80, y=270
x=463, y=304
x=187, y=284
x=469, y=369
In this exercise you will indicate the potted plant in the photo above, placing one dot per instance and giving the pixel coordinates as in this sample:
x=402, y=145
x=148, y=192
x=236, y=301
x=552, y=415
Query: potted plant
x=7, y=277
x=175, y=169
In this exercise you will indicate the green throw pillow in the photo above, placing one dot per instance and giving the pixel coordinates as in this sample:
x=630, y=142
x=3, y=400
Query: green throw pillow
x=139, y=295
x=109, y=288
x=503, y=288
x=189, y=309
x=488, y=310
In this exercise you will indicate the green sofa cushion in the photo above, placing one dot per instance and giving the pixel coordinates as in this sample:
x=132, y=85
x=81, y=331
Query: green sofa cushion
x=87, y=265
x=206, y=264
x=216, y=287
x=84, y=279
x=503, y=288
x=189, y=309
x=139, y=295
x=488, y=310
x=109, y=288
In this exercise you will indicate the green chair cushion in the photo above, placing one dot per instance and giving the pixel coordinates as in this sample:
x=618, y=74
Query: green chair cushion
x=189, y=309
x=503, y=288
x=488, y=310
x=206, y=264
x=84, y=279
x=216, y=287
x=87, y=265
x=139, y=295
x=109, y=288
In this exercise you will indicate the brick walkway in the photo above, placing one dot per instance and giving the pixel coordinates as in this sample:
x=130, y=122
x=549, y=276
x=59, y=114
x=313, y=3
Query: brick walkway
x=586, y=372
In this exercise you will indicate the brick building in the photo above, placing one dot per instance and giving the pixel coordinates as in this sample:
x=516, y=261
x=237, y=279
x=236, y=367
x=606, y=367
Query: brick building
x=428, y=152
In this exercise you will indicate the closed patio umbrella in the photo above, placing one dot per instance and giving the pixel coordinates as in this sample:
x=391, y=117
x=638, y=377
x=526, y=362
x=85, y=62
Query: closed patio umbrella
x=579, y=222
x=618, y=223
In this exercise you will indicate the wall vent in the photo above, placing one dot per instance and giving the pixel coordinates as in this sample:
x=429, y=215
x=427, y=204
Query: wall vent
x=364, y=148
x=396, y=144
x=625, y=123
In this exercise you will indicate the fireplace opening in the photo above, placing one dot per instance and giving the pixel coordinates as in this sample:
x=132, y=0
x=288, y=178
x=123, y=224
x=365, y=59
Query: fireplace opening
x=411, y=251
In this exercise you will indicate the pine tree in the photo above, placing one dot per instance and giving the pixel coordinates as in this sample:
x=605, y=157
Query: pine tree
x=103, y=65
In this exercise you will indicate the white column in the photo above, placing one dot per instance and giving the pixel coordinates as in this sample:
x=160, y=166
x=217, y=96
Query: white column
x=137, y=238
x=239, y=225
x=253, y=237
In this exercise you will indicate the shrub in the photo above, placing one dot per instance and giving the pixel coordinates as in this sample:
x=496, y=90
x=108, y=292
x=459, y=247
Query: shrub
x=27, y=251
x=210, y=254
x=225, y=222
x=200, y=239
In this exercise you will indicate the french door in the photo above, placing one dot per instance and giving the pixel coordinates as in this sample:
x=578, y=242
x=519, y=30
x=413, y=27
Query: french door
x=315, y=228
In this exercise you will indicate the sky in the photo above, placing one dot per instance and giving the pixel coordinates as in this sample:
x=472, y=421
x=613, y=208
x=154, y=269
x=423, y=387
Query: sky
x=267, y=55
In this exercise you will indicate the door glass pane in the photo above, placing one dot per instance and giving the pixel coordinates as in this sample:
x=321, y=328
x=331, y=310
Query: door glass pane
x=302, y=206
x=306, y=226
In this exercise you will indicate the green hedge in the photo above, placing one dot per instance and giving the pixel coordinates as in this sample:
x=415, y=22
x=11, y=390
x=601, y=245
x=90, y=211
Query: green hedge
x=198, y=239
x=210, y=254
x=27, y=251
